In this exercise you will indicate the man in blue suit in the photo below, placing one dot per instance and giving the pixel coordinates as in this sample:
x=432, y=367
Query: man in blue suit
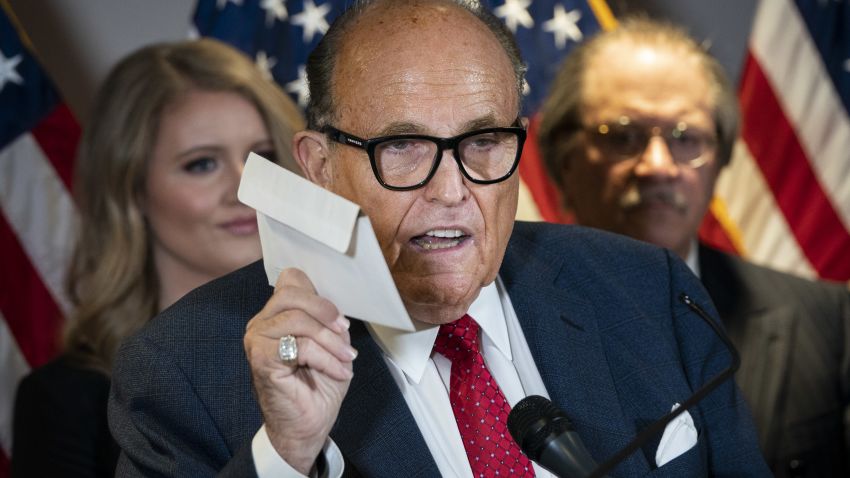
x=414, y=115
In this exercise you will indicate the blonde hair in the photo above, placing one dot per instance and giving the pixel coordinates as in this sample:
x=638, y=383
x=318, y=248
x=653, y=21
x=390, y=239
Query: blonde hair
x=112, y=281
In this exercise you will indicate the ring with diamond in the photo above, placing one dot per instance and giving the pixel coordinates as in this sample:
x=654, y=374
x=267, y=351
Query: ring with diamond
x=287, y=350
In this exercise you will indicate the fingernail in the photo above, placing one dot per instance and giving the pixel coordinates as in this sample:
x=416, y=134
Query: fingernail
x=349, y=373
x=343, y=322
x=352, y=352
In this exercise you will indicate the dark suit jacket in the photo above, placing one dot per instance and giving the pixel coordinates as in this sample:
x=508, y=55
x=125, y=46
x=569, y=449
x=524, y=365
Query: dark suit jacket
x=60, y=424
x=613, y=344
x=794, y=339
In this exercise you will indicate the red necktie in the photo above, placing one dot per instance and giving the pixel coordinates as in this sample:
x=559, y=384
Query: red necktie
x=479, y=405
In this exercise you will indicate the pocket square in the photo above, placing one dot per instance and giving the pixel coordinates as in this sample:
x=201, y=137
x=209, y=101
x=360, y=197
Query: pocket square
x=679, y=436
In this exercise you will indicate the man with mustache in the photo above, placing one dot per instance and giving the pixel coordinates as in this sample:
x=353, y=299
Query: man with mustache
x=635, y=132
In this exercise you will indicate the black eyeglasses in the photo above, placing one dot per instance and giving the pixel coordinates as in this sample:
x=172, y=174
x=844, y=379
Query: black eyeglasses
x=408, y=161
x=625, y=139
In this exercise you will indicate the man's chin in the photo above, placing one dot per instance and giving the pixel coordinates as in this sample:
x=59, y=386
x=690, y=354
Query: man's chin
x=438, y=306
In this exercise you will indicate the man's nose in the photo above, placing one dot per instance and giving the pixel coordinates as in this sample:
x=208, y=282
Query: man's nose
x=447, y=185
x=656, y=160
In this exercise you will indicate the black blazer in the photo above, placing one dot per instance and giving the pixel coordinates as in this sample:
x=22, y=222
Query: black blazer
x=794, y=339
x=60, y=424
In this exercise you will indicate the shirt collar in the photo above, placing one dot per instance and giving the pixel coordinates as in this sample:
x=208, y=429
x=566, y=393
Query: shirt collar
x=410, y=351
x=693, y=257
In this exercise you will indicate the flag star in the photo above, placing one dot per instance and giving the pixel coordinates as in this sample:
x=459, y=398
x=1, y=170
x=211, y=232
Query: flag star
x=515, y=12
x=312, y=19
x=847, y=65
x=526, y=88
x=220, y=4
x=265, y=64
x=275, y=9
x=299, y=87
x=8, y=71
x=564, y=25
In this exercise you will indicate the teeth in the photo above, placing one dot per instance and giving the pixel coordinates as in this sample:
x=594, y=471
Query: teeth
x=440, y=239
x=439, y=245
x=445, y=233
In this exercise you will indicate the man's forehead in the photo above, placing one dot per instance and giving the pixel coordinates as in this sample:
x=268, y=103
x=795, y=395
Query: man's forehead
x=647, y=77
x=443, y=58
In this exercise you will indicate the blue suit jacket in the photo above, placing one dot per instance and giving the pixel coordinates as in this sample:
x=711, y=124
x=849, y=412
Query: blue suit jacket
x=613, y=344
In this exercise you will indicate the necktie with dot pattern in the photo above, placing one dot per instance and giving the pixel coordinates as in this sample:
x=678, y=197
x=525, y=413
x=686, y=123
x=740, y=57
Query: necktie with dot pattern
x=479, y=406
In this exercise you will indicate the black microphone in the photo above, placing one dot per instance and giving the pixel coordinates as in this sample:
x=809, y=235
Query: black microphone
x=548, y=437
x=543, y=432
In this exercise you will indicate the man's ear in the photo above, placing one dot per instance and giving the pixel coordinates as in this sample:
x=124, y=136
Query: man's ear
x=310, y=150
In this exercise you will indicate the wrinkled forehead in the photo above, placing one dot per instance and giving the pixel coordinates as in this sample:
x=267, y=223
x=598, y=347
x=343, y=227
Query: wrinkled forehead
x=430, y=51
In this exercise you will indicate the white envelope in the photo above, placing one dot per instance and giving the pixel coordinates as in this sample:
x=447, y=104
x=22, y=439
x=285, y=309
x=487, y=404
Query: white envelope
x=305, y=226
x=679, y=436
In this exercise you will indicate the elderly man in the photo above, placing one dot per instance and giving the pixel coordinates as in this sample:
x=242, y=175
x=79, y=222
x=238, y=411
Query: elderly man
x=414, y=115
x=636, y=129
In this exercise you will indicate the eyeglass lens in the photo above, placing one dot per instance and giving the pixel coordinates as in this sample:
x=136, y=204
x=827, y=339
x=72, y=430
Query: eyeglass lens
x=406, y=162
x=625, y=140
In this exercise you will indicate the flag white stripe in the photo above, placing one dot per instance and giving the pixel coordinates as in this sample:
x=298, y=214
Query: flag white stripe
x=40, y=211
x=14, y=367
x=767, y=238
x=782, y=45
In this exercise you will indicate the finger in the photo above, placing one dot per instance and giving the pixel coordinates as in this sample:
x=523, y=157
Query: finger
x=295, y=278
x=312, y=355
x=299, y=324
x=295, y=298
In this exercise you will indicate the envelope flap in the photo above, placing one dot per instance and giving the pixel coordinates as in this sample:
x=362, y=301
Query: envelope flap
x=272, y=190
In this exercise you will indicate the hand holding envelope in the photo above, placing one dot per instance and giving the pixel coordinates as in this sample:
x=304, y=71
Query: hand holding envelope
x=309, y=228
x=330, y=263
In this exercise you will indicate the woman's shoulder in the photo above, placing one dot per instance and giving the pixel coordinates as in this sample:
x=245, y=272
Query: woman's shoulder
x=65, y=380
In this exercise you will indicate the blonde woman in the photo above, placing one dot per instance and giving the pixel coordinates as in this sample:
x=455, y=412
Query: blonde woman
x=156, y=182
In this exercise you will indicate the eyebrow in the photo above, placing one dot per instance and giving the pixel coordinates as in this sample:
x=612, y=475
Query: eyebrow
x=204, y=148
x=262, y=144
x=403, y=127
x=217, y=148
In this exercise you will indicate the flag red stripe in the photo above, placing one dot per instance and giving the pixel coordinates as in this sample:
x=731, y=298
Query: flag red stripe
x=776, y=149
x=30, y=311
x=58, y=134
x=533, y=172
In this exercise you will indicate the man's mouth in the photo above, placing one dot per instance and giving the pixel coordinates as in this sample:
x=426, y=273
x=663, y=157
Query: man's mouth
x=440, y=239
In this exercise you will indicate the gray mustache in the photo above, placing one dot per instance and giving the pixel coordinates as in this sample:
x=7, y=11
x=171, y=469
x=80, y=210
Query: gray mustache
x=636, y=197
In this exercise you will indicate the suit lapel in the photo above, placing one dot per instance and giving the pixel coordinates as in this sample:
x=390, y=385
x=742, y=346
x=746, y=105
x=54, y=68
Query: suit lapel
x=763, y=334
x=561, y=330
x=375, y=430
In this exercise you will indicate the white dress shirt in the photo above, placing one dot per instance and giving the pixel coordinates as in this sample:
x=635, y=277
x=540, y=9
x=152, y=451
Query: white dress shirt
x=693, y=258
x=423, y=378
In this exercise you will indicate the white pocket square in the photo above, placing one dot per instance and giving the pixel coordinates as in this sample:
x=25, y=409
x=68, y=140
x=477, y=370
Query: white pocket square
x=679, y=436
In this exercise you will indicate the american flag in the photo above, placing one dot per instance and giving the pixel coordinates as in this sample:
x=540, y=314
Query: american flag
x=38, y=138
x=785, y=199
x=280, y=34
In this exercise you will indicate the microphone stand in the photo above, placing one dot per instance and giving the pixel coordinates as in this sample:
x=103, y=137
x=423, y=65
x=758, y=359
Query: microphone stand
x=659, y=425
